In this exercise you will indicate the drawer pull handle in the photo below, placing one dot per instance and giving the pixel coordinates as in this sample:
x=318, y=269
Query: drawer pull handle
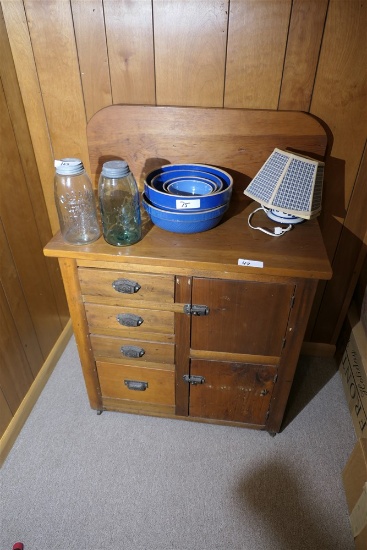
x=125, y=286
x=129, y=319
x=136, y=385
x=132, y=351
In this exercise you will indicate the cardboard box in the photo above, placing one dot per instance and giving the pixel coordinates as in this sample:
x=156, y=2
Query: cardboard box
x=353, y=371
x=355, y=486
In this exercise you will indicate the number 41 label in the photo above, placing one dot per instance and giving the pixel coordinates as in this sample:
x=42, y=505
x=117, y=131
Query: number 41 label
x=250, y=263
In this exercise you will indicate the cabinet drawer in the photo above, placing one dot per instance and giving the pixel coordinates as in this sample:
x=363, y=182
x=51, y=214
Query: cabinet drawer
x=237, y=392
x=112, y=318
x=142, y=384
x=143, y=351
x=118, y=286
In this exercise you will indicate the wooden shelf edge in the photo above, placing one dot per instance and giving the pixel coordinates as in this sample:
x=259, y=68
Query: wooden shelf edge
x=12, y=431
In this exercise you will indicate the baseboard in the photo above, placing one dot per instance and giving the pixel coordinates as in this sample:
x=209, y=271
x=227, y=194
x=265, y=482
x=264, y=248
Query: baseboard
x=26, y=406
x=318, y=349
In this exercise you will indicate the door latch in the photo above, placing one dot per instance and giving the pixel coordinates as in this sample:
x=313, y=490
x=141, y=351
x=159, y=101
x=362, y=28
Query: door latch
x=196, y=309
x=194, y=380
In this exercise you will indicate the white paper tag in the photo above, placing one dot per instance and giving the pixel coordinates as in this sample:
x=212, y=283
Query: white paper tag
x=250, y=263
x=358, y=517
x=182, y=204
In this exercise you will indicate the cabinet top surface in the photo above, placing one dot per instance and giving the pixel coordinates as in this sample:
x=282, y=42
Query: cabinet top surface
x=298, y=253
x=236, y=140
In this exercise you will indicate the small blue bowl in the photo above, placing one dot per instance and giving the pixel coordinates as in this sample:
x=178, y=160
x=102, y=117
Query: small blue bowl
x=189, y=187
x=158, y=196
x=159, y=181
x=184, y=222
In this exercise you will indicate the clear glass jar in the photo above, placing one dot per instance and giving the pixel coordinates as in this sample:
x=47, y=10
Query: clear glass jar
x=75, y=202
x=119, y=204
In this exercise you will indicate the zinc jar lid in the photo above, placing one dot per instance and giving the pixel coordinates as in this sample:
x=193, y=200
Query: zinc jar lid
x=115, y=169
x=69, y=166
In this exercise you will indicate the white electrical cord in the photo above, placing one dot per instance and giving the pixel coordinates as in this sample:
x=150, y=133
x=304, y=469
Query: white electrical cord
x=278, y=231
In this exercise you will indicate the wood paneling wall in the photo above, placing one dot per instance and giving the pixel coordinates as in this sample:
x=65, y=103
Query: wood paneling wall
x=74, y=57
x=33, y=309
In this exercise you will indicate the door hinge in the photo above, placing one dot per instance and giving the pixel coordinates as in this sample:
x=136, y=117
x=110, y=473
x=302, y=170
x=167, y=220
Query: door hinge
x=196, y=309
x=193, y=379
x=292, y=300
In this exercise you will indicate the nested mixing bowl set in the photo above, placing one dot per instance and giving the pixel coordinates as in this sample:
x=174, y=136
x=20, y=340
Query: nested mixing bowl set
x=187, y=198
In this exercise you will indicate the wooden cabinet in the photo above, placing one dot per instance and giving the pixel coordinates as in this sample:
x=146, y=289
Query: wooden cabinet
x=144, y=345
x=165, y=329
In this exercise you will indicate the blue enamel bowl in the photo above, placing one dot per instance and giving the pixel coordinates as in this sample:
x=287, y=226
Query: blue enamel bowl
x=191, y=187
x=183, y=221
x=160, y=180
x=159, y=197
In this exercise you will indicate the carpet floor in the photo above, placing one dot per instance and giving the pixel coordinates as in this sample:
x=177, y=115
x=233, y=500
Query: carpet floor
x=76, y=480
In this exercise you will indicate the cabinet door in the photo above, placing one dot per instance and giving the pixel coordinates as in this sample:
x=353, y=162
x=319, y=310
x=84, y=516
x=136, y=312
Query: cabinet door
x=244, y=317
x=236, y=392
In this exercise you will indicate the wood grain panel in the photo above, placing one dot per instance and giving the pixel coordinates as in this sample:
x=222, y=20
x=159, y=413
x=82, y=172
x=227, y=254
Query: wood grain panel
x=129, y=30
x=153, y=288
x=236, y=392
x=18, y=305
x=53, y=42
x=22, y=235
x=216, y=251
x=90, y=37
x=303, y=47
x=182, y=357
x=347, y=264
x=190, y=48
x=238, y=140
x=257, y=38
x=108, y=348
x=70, y=276
x=160, y=383
x=339, y=98
x=27, y=158
x=137, y=407
x=300, y=311
x=15, y=373
x=105, y=317
x=235, y=322
x=21, y=47
x=23, y=139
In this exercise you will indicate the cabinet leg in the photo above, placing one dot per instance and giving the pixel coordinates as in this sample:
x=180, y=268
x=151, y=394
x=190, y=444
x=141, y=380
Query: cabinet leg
x=99, y=412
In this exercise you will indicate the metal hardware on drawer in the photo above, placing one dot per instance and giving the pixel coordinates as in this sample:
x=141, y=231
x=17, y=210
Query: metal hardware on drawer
x=193, y=379
x=196, y=309
x=125, y=286
x=264, y=392
x=129, y=319
x=136, y=385
x=132, y=351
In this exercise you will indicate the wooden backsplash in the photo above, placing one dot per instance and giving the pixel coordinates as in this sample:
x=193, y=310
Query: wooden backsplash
x=74, y=57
